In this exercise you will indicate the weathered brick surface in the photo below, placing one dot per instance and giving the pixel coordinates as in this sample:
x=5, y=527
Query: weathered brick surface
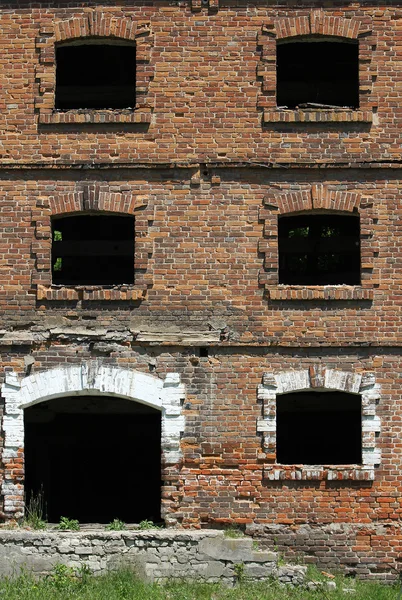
x=195, y=165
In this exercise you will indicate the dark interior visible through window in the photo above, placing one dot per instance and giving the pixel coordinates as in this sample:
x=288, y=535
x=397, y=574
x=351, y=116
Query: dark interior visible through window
x=312, y=72
x=95, y=76
x=318, y=249
x=316, y=428
x=93, y=250
x=81, y=454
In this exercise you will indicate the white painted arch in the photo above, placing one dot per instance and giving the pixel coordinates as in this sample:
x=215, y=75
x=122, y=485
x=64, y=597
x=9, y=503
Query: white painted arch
x=321, y=378
x=89, y=378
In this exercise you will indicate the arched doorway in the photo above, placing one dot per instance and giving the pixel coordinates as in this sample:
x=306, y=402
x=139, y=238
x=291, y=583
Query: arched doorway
x=95, y=458
x=149, y=397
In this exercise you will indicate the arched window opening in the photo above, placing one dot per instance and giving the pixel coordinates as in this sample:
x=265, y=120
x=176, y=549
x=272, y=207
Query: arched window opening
x=314, y=73
x=319, y=249
x=95, y=74
x=86, y=453
x=93, y=250
x=319, y=428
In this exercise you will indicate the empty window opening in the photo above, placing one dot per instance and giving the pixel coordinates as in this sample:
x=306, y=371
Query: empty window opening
x=95, y=76
x=312, y=72
x=317, y=428
x=319, y=249
x=93, y=250
x=96, y=459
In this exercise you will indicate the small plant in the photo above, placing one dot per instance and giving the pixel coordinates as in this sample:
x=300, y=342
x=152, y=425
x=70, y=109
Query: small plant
x=146, y=524
x=62, y=577
x=66, y=523
x=84, y=573
x=34, y=511
x=116, y=525
x=233, y=532
x=239, y=572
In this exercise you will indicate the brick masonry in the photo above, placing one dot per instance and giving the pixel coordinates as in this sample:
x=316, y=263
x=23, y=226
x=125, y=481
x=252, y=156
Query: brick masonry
x=205, y=163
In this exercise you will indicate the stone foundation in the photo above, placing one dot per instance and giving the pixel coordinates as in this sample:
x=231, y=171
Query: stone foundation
x=156, y=555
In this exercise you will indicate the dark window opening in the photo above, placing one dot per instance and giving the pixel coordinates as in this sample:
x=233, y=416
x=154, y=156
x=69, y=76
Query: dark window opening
x=311, y=72
x=93, y=250
x=203, y=352
x=318, y=428
x=319, y=249
x=95, y=76
x=87, y=455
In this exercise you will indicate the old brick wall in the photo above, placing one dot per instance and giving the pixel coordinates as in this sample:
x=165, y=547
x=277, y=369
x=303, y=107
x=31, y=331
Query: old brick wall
x=208, y=251
x=210, y=78
x=195, y=165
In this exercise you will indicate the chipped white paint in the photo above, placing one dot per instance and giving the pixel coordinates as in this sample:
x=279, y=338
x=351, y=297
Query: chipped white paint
x=284, y=382
x=89, y=379
x=342, y=380
x=292, y=381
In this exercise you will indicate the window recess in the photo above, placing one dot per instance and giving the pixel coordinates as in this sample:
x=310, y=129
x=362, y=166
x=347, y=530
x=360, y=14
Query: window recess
x=319, y=249
x=95, y=75
x=318, y=428
x=93, y=250
x=316, y=74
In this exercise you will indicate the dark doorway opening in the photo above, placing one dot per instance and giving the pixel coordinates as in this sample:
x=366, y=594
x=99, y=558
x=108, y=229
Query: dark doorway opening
x=319, y=249
x=96, y=459
x=318, y=428
x=317, y=72
x=93, y=250
x=95, y=76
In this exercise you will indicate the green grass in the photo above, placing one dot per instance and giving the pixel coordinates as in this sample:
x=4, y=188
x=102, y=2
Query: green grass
x=67, y=584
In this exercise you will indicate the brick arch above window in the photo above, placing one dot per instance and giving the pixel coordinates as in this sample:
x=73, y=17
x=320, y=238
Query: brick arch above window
x=316, y=23
x=317, y=198
x=320, y=378
x=95, y=24
x=91, y=198
x=98, y=24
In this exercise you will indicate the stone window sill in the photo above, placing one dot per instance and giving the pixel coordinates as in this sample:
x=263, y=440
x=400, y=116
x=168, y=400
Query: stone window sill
x=319, y=472
x=95, y=117
x=90, y=292
x=318, y=116
x=335, y=292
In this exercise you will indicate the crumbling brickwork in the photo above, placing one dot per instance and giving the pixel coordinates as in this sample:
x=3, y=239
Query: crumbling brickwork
x=205, y=164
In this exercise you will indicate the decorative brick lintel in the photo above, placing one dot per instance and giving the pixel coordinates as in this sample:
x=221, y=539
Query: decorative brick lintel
x=319, y=473
x=96, y=117
x=88, y=293
x=341, y=292
x=318, y=116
